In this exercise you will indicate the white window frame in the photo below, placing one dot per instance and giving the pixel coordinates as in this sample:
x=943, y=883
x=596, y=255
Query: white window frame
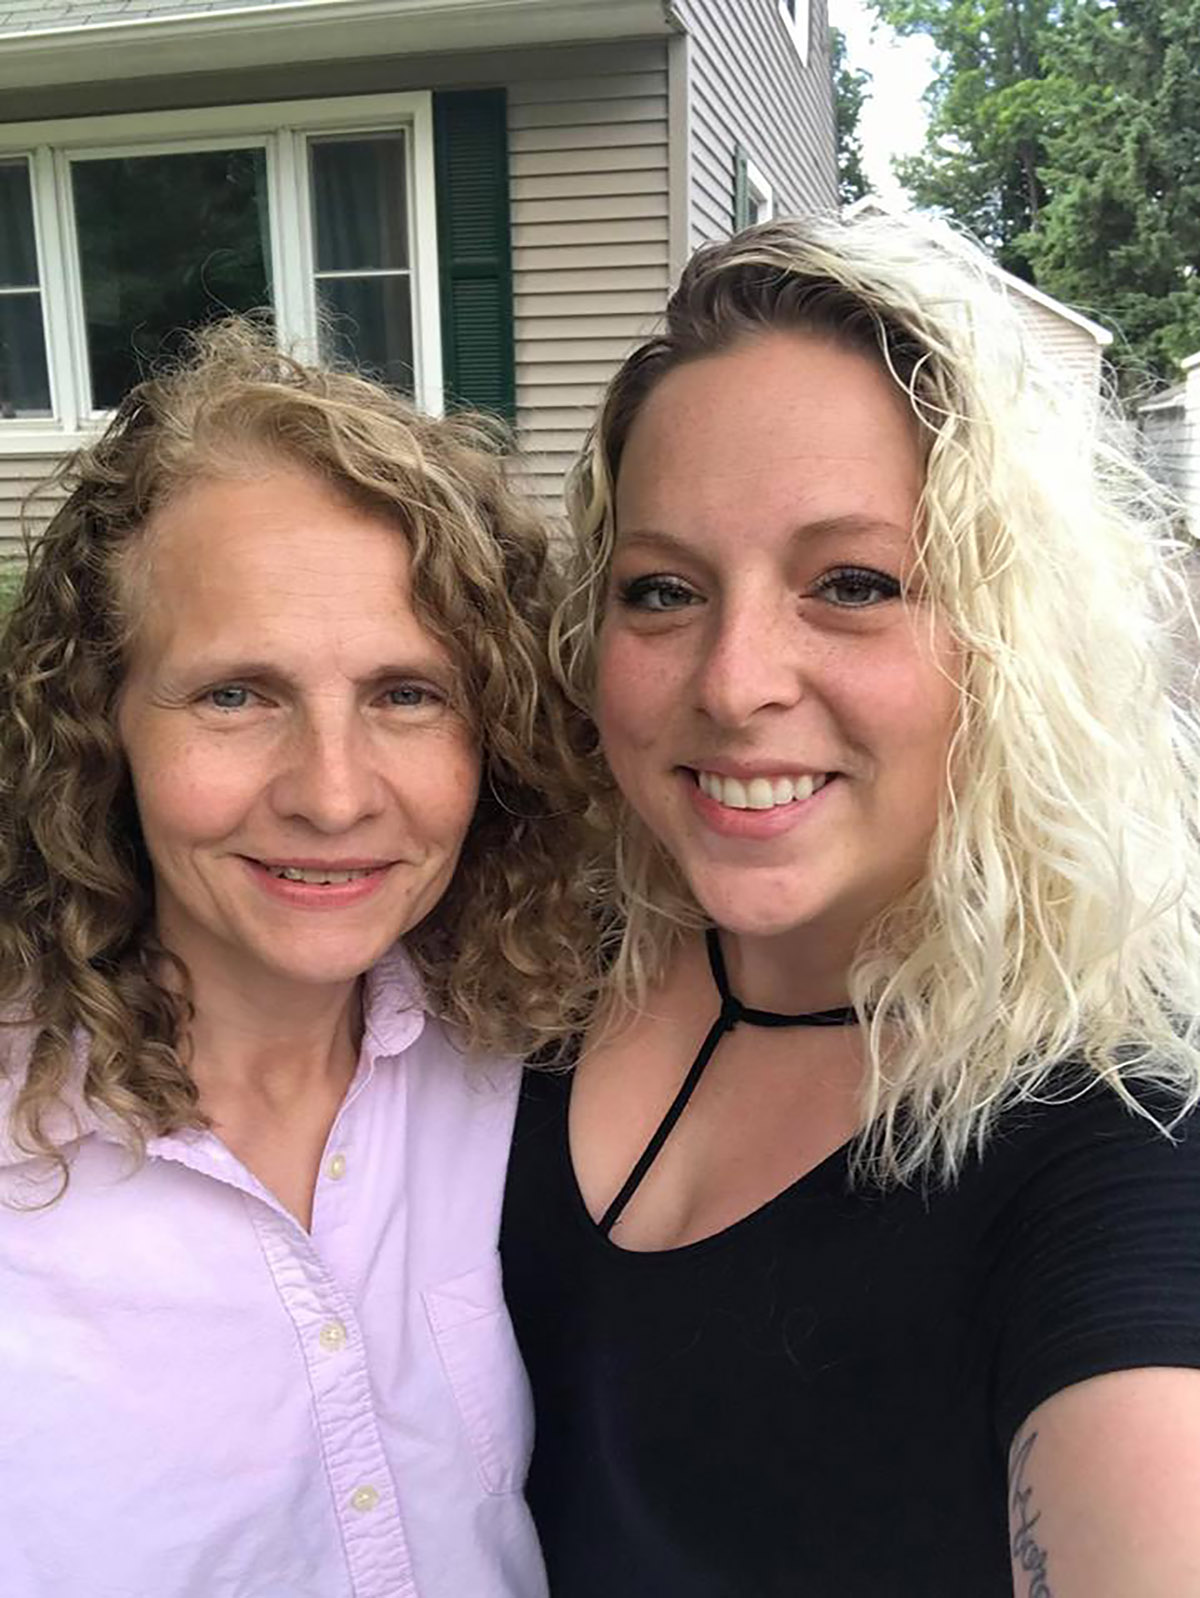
x=24, y=430
x=283, y=129
x=798, y=26
x=759, y=191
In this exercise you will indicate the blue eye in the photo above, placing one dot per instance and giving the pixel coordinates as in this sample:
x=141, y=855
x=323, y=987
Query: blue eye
x=657, y=594
x=857, y=587
x=411, y=696
x=229, y=696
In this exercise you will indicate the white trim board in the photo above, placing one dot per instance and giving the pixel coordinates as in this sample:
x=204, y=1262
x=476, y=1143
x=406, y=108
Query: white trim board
x=799, y=27
x=230, y=37
x=759, y=187
x=1171, y=399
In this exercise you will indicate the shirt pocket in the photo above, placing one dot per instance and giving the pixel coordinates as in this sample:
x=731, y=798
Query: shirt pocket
x=478, y=1350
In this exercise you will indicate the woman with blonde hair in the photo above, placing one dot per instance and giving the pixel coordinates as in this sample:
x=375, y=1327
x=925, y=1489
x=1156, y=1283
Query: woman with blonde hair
x=860, y=1254
x=282, y=770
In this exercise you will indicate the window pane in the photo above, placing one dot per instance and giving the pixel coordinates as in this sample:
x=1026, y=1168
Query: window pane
x=24, y=380
x=166, y=242
x=18, y=249
x=360, y=208
x=367, y=322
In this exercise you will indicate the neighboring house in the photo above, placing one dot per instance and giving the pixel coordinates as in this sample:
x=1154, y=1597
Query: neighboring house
x=1170, y=424
x=484, y=199
x=1073, y=343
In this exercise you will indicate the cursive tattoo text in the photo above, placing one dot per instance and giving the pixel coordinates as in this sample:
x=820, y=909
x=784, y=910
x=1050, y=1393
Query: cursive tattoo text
x=1028, y=1555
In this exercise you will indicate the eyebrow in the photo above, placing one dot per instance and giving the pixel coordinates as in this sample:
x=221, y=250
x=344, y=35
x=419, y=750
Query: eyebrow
x=218, y=670
x=824, y=527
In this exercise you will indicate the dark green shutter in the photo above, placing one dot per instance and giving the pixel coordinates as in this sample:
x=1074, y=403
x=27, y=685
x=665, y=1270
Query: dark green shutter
x=741, y=190
x=471, y=158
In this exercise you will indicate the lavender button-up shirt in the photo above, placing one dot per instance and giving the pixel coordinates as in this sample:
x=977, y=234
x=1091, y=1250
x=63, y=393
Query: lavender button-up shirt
x=199, y=1399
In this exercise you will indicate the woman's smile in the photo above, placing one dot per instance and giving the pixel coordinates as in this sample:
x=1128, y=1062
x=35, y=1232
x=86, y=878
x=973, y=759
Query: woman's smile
x=318, y=887
x=760, y=792
x=758, y=807
x=758, y=626
x=304, y=777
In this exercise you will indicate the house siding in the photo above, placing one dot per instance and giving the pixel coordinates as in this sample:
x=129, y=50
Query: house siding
x=1168, y=444
x=748, y=87
x=588, y=168
x=1172, y=435
x=588, y=158
x=19, y=476
x=1070, y=349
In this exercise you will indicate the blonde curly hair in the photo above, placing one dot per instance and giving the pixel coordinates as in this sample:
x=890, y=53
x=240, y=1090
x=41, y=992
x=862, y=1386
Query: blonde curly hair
x=1060, y=914
x=506, y=957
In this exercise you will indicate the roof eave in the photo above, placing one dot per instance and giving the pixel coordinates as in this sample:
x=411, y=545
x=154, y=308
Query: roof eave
x=314, y=30
x=1171, y=399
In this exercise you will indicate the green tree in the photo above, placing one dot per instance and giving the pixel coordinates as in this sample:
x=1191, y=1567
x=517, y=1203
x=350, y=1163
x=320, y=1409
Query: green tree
x=1121, y=233
x=851, y=87
x=985, y=150
x=1065, y=134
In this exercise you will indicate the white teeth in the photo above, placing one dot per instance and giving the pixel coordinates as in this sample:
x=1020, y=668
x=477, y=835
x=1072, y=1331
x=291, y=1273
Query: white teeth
x=321, y=878
x=759, y=793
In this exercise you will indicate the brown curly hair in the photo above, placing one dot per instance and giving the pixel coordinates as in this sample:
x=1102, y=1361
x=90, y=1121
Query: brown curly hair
x=507, y=957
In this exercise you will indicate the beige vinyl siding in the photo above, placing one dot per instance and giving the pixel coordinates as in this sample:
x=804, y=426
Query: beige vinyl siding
x=748, y=86
x=19, y=475
x=1070, y=349
x=1171, y=443
x=1171, y=427
x=588, y=156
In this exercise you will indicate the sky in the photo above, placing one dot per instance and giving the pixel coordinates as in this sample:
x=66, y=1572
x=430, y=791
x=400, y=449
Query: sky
x=893, y=117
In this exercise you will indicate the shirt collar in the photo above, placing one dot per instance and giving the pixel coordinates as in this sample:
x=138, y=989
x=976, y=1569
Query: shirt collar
x=393, y=1020
x=393, y=1004
x=68, y=1119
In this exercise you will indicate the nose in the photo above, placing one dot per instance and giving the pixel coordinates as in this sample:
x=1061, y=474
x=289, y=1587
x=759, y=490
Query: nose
x=330, y=777
x=753, y=659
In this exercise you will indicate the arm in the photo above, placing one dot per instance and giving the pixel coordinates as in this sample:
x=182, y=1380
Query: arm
x=1104, y=1488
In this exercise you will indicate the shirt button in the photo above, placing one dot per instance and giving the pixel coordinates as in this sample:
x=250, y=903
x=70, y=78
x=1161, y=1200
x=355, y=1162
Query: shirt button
x=364, y=1499
x=332, y=1337
x=336, y=1168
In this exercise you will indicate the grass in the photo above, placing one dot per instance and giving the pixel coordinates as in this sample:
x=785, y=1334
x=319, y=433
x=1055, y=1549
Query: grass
x=11, y=573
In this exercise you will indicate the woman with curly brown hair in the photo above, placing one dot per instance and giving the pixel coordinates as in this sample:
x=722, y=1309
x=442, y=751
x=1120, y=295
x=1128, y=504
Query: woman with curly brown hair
x=281, y=775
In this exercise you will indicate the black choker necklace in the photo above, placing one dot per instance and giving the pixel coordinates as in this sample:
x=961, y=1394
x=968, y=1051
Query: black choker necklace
x=732, y=1011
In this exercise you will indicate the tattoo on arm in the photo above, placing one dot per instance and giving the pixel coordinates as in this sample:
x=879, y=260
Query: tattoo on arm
x=1028, y=1554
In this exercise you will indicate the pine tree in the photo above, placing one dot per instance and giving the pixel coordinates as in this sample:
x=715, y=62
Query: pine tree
x=1065, y=134
x=1121, y=234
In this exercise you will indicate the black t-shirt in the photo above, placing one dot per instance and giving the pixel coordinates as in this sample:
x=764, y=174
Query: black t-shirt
x=820, y=1399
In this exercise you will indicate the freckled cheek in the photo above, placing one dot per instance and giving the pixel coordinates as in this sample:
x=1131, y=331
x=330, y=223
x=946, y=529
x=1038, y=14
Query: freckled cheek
x=636, y=695
x=438, y=792
x=185, y=801
x=905, y=722
x=456, y=809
